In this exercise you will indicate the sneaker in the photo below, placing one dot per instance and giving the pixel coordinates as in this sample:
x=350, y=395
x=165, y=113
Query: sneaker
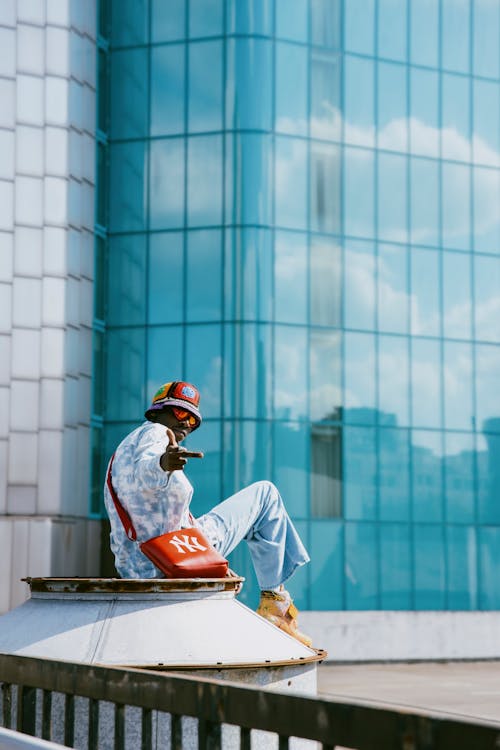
x=279, y=609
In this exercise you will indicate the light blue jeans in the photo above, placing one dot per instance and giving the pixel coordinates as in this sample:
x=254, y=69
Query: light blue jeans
x=257, y=514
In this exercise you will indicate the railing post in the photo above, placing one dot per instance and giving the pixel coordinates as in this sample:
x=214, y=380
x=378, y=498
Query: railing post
x=176, y=731
x=209, y=735
x=69, y=720
x=46, y=715
x=119, y=726
x=245, y=738
x=26, y=709
x=147, y=729
x=7, y=705
x=93, y=743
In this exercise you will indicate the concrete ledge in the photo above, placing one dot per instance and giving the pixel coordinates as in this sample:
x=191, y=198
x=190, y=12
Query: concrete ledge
x=404, y=636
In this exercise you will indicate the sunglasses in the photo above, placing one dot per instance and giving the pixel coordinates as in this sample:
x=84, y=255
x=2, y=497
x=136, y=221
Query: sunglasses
x=181, y=415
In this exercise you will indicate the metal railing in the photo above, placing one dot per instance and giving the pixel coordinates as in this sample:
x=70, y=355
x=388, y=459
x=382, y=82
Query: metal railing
x=38, y=694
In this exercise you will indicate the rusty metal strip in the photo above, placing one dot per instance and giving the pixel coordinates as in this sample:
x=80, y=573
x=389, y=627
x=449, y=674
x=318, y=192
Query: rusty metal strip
x=130, y=585
x=318, y=656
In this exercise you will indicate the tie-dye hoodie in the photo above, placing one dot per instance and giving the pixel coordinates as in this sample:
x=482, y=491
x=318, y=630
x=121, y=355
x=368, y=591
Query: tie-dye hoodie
x=157, y=501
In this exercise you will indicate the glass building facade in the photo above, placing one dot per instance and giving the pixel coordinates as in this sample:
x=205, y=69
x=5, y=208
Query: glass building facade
x=299, y=211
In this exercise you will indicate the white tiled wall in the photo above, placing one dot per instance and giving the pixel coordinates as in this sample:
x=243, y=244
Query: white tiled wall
x=47, y=145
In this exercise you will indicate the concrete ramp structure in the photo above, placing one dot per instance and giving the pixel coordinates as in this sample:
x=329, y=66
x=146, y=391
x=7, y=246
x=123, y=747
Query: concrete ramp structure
x=194, y=625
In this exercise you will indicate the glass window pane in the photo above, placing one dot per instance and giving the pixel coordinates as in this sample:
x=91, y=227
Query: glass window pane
x=166, y=278
x=325, y=188
x=429, y=567
x=127, y=280
x=395, y=566
x=325, y=383
x=487, y=298
x=129, y=22
x=206, y=17
x=486, y=210
x=249, y=68
x=393, y=391
x=127, y=189
x=487, y=390
x=456, y=206
x=325, y=294
x=327, y=565
x=248, y=275
x=455, y=128
x=424, y=202
x=424, y=112
x=394, y=474
x=326, y=471
x=125, y=354
x=129, y=93
x=426, y=383
x=168, y=89
x=459, y=460
x=392, y=282
x=458, y=405
x=254, y=440
x=292, y=19
x=291, y=88
x=486, y=128
x=249, y=17
x=290, y=277
x=361, y=566
x=457, y=302
x=249, y=179
x=392, y=106
x=489, y=561
x=203, y=365
x=291, y=183
x=204, y=180
x=486, y=50
x=205, y=474
x=205, y=86
x=424, y=25
x=488, y=471
x=161, y=369
x=456, y=22
x=358, y=192
x=166, y=198
x=325, y=95
x=360, y=473
x=359, y=102
x=204, y=261
x=98, y=372
x=98, y=471
x=359, y=25
x=391, y=25
x=425, y=292
x=247, y=376
x=427, y=475
x=359, y=378
x=168, y=20
x=290, y=372
x=291, y=466
x=359, y=283
x=325, y=22
x=392, y=203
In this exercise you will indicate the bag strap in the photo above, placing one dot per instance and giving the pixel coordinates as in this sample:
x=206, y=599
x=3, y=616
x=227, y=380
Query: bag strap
x=124, y=516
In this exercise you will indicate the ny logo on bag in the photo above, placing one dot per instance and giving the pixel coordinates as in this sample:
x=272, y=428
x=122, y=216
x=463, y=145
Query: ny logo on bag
x=190, y=546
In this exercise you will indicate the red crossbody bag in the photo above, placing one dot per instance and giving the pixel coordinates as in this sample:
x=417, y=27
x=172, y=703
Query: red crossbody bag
x=185, y=553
